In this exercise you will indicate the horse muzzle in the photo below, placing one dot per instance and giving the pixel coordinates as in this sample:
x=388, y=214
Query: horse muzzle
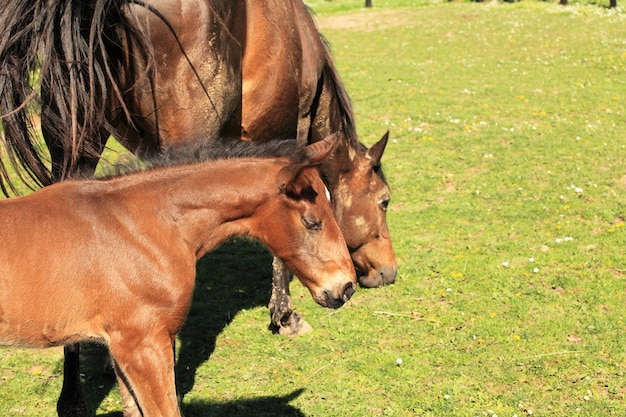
x=384, y=275
x=375, y=263
x=334, y=299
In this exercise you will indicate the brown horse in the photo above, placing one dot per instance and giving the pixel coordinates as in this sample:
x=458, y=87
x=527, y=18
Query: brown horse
x=159, y=73
x=165, y=73
x=113, y=261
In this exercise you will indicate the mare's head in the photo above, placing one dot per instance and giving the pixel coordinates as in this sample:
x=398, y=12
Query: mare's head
x=354, y=174
x=313, y=104
x=360, y=199
x=300, y=229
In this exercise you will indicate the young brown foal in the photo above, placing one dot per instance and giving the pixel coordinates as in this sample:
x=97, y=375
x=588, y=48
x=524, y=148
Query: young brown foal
x=114, y=260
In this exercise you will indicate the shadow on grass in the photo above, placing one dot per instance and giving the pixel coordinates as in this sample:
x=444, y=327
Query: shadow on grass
x=233, y=277
x=236, y=276
x=257, y=407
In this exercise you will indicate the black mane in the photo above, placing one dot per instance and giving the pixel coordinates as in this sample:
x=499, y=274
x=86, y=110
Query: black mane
x=208, y=151
x=229, y=148
x=345, y=104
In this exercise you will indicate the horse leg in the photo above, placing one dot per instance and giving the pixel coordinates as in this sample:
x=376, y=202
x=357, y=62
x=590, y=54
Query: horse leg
x=284, y=320
x=71, y=402
x=86, y=162
x=145, y=372
x=131, y=408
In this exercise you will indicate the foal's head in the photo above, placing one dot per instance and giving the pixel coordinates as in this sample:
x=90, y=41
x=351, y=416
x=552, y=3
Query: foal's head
x=300, y=229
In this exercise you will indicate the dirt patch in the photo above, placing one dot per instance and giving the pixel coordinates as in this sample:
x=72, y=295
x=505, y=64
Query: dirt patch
x=366, y=20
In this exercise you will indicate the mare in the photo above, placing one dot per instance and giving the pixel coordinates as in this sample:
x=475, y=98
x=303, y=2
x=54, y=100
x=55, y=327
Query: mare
x=160, y=74
x=123, y=252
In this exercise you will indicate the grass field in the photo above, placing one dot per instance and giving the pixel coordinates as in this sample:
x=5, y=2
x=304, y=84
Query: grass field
x=508, y=169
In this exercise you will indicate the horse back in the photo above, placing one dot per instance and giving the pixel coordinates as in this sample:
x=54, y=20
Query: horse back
x=193, y=88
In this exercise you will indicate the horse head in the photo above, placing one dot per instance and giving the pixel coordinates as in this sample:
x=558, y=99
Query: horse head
x=306, y=236
x=360, y=199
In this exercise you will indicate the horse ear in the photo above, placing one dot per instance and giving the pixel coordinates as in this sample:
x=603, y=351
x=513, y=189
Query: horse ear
x=294, y=180
x=316, y=152
x=375, y=153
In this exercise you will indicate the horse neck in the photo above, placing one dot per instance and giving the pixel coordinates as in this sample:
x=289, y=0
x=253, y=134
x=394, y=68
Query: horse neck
x=211, y=202
x=334, y=114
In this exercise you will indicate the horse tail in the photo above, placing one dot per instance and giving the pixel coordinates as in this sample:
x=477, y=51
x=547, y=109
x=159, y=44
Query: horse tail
x=60, y=62
x=23, y=26
x=330, y=79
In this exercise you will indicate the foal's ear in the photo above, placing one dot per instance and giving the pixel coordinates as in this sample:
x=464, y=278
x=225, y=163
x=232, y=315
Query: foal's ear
x=295, y=181
x=375, y=153
x=316, y=152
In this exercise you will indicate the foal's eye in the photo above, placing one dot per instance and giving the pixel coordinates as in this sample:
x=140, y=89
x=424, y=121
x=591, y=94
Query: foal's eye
x=312, y=224
x=384, y=204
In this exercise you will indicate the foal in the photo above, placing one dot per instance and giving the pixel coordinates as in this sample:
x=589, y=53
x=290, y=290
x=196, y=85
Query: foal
x=113, y=261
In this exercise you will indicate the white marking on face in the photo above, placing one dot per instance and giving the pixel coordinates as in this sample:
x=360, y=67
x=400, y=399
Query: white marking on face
x=327, y=193
x=359, y=221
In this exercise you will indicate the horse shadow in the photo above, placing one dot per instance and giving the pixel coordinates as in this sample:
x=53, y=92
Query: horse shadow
x=257, y=407
x=235, y=276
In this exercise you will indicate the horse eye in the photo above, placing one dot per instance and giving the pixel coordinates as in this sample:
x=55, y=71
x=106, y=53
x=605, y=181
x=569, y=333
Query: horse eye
x=312, y=224
x=384, y=204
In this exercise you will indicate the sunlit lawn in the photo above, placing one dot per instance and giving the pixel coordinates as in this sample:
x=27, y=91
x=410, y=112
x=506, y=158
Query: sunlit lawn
x=508, y=166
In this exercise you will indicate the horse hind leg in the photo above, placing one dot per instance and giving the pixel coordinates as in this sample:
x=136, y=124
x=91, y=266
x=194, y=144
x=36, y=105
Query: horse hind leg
x=87, y=159
x=284, y=320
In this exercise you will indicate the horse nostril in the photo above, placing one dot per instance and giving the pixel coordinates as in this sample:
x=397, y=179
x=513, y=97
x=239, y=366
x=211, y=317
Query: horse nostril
x=348, y=290
x=332, y=302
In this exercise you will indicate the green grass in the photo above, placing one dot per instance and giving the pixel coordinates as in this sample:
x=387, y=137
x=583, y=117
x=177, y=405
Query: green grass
x=323, y=7
x=508, y=169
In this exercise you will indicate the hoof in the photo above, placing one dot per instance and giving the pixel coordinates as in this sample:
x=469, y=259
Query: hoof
x=294, y=326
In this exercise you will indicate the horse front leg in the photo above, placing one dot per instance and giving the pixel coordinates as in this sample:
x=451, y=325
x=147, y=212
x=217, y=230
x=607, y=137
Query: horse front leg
x=144, y=365
x=71, y=402
x=284, y=320
x=131, y=408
